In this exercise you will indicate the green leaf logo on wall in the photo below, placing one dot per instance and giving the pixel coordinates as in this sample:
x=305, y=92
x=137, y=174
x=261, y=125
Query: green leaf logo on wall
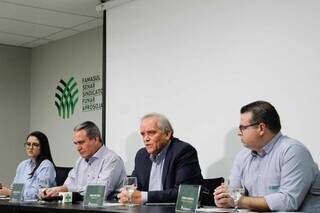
x=66, y=97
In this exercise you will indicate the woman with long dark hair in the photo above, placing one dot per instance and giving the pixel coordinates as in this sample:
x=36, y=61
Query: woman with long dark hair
x=36, y=172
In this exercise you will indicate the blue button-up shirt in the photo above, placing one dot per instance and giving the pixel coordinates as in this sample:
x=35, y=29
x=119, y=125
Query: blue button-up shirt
x=104, y=167
x=155, y=180
x=284, y=173
x=44, y=176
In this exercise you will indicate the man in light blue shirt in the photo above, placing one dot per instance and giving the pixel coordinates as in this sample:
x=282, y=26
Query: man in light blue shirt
x=277, y=172
x=97, y=164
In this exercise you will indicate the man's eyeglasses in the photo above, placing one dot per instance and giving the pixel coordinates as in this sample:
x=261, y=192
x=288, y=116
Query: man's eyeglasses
x=28, y=145
x=244, y=127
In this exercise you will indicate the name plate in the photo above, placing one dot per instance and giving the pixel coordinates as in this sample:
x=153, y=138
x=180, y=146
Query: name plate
x=188, y=197
x=94, y=196
x=17, y=192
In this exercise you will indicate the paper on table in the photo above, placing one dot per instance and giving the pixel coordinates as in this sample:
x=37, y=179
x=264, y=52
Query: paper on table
x=160, y=204
x=215, y=209
x=30, y=201
x=106, y=204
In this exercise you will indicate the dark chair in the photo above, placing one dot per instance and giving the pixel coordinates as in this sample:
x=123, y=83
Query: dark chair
x=207, y=189
x=62, y=174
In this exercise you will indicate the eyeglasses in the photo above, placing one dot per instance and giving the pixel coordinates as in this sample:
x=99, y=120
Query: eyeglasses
x=242, y=128
x=28, y=145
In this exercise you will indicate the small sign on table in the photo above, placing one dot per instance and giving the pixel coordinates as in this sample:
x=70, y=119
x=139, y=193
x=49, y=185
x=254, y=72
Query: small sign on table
x=188, y=197
x=94, y=196
x=17, y=192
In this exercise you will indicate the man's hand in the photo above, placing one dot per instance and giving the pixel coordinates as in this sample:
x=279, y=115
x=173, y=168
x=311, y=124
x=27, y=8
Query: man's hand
x=223, y=200
x=52, y=192
x=222, y=197
x=135, y=197
x=5, y=191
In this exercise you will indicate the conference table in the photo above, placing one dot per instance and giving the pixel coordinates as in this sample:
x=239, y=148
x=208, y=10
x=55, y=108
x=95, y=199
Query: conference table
x=55, y=207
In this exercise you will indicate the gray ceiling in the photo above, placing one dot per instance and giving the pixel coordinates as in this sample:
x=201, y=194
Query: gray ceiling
x=30, y=23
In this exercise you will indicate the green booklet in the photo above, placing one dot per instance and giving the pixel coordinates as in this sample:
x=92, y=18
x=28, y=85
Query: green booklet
x=17, y=192
x=188, y=197
x=94, y=196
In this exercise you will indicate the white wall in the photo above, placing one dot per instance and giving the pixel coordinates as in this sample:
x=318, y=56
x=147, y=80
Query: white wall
x=199, y=61
x=77, y=56
x=15, y=106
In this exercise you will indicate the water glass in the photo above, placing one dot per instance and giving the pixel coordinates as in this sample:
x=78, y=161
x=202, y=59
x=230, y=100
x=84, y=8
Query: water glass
x=235, y=193
x=130, y=185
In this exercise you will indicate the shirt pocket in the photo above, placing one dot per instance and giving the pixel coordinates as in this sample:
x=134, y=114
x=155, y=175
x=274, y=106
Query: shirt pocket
x=272, y=183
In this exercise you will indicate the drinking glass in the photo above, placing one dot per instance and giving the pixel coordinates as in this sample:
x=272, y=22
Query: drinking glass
x=43, y=185
x=235, y=193
x=130, y=185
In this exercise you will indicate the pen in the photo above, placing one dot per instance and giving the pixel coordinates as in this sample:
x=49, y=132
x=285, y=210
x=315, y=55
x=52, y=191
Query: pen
x=205, y=190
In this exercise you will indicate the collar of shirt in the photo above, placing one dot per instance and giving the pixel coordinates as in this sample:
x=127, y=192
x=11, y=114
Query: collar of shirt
x=161, y=155
x=32, y=163
x=97, y=155
x=268, y=147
